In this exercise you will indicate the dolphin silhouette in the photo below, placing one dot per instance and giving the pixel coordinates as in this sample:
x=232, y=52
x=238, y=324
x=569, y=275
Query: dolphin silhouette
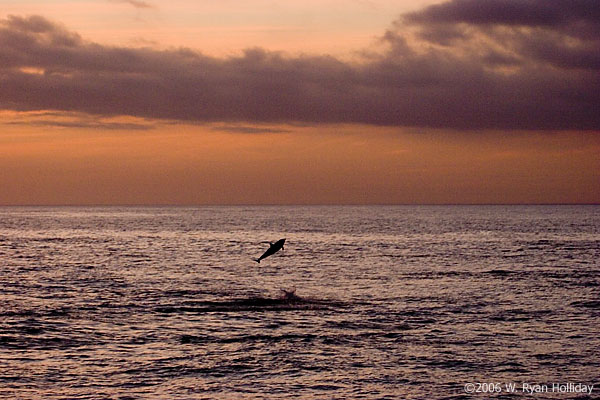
x=273, y=248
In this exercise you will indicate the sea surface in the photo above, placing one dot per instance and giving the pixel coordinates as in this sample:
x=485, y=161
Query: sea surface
x=398, y=302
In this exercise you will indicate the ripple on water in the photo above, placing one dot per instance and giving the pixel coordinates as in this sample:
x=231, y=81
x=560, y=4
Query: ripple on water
x=392, y=302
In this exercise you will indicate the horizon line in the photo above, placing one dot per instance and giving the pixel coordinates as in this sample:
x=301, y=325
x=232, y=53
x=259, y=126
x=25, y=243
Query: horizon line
x=158, y=205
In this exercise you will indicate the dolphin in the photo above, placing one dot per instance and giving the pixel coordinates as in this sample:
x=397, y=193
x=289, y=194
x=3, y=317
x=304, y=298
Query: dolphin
x=273, y=248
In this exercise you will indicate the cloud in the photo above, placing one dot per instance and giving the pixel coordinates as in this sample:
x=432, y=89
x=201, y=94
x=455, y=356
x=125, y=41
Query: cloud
x=135, y=3
x=248, y=129
x=74, y=120
x=85, y=124
x=563, y=34
x=457, y=65
x=550, y=13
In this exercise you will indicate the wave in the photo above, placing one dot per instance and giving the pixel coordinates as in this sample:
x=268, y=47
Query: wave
x=288, y=302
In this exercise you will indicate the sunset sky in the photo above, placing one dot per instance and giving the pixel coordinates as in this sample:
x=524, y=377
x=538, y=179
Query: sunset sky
x=307, y=102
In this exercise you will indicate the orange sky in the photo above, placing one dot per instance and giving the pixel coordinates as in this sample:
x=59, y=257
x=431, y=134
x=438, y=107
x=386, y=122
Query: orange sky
x=185, y=164
x=413, y=147
x=227, y=26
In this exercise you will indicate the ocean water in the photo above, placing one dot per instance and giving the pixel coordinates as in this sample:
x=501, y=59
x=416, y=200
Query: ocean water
x=399, y=302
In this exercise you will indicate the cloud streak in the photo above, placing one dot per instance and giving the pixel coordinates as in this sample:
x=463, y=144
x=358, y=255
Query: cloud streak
x=63, y=119
x=84, y=124
x=248, y=129
x=135, y=3
x=484, y=64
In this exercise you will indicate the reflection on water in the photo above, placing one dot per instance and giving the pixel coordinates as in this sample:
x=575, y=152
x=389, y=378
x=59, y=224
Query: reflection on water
x=389, y=302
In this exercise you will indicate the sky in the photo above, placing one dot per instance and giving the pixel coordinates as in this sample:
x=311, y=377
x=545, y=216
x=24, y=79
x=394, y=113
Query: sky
x=144, y=102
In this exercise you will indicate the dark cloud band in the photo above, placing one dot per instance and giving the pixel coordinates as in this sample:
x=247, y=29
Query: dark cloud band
x=444, y=67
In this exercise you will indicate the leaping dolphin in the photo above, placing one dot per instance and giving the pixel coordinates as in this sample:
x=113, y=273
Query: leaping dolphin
x=273, y=248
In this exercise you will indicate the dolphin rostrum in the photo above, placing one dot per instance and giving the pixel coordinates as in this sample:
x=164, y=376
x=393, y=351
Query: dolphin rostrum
x=273, y=248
